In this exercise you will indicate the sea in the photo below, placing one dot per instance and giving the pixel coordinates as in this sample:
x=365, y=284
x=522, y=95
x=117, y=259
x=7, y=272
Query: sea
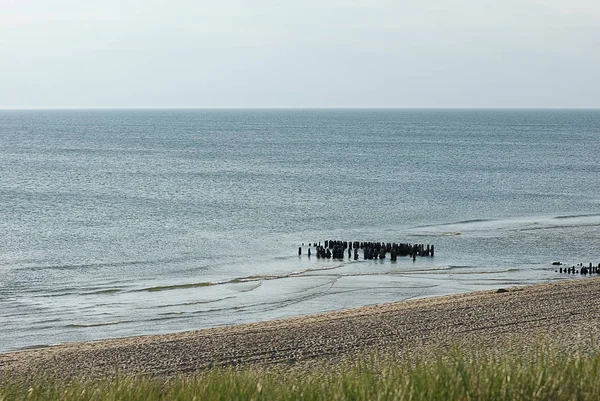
x=117, y=223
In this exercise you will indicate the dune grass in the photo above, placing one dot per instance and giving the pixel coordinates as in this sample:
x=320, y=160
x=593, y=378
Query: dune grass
x=539, y=375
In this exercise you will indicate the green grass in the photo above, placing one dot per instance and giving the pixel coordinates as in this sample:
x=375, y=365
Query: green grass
x=541, y=375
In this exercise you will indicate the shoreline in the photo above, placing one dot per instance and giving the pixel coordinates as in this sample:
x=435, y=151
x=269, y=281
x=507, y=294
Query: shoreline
x=561, y=314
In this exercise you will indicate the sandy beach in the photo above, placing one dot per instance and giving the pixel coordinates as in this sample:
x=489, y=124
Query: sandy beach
x=563, y=314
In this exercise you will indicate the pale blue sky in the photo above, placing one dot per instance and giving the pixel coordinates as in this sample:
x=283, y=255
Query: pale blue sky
x=326, y=53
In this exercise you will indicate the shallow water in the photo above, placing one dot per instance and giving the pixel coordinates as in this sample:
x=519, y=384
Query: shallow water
x=119, y=223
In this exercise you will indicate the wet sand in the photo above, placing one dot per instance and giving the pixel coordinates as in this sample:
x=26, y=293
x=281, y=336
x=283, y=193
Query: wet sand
x=564, y=314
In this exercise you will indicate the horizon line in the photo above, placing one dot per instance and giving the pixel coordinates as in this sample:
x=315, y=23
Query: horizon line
x=287, y=108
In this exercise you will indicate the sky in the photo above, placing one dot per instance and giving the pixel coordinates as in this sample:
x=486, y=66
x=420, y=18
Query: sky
x=297, y=54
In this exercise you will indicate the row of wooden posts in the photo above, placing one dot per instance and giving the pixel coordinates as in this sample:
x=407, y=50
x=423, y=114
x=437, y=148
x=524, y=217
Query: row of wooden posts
x=371, y=250
x=580, y=269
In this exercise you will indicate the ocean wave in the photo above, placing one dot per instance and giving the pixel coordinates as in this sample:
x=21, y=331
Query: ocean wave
x=516, y=224
x=130, y=263
x=192, y=303
x=163, y=318
x=574, y=216
x=54, y=292
x=436, y=234
x=556, y=227
x=36, y=346
x=470, y=221
x=254, y=287
x=45, y=326
x=171, y=313
x=51, y=320
x=105, y=291
x=84, y=325
x=329, y=284
x=237, y=280
x=485, y=272
x=179, y=286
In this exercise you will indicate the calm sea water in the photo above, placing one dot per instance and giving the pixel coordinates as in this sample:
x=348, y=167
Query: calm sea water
x=120, y=223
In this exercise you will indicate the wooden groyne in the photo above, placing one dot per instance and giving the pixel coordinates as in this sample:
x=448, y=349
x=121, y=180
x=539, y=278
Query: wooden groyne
x=579, y=269
x=370, y=250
